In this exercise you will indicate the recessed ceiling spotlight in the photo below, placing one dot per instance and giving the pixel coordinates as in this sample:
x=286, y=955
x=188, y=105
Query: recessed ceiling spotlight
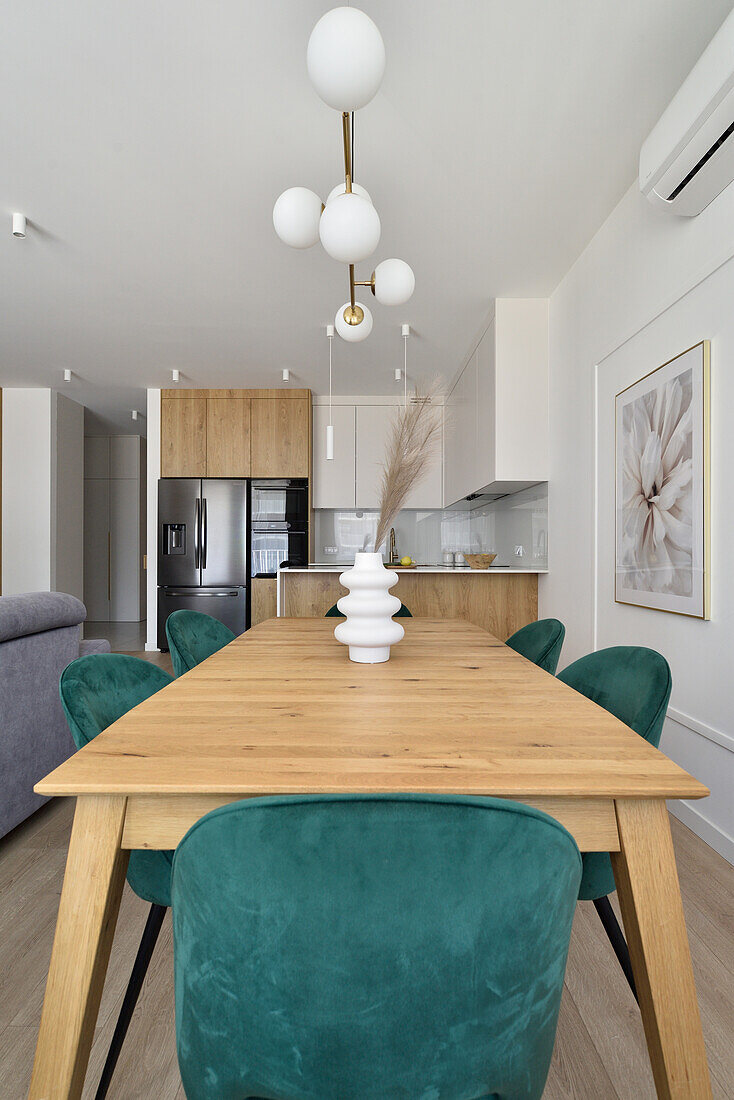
x=286, y=375
x=67, y=376
x=19, y=225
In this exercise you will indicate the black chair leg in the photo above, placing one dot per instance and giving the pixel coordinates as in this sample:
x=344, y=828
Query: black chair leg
x=616, y=938
x=140, y=969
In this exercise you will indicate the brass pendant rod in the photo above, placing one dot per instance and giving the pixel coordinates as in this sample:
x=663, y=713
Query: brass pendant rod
x=346, y=132
x=351, y=285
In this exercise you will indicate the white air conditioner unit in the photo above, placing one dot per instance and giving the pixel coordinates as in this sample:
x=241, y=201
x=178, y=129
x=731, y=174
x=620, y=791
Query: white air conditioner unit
x=688, y=159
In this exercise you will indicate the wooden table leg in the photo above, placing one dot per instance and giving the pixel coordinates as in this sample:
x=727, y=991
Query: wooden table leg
x=85, y=926
x=652, y=911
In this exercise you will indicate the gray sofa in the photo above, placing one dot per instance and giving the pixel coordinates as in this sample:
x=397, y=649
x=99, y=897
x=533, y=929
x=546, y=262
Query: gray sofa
x=40, y=633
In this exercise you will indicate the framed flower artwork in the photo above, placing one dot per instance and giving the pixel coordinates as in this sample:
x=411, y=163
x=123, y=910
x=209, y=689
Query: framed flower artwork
x=662, y=487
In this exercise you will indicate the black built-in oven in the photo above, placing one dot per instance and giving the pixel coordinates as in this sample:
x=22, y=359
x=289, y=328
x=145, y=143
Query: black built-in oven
x=278, y=524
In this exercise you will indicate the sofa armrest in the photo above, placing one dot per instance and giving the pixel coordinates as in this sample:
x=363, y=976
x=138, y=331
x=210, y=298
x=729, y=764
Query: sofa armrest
x=93, y=645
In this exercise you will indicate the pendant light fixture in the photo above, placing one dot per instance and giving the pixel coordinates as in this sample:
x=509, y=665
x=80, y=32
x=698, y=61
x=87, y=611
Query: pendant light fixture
x=330, y=425
x=406, y=334
x=346, y=62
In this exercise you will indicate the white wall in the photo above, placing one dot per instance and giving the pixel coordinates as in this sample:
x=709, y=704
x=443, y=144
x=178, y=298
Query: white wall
x=43, y=492
x=26, y=516
x=67, y=491
x=153, y=465
x=647, y=287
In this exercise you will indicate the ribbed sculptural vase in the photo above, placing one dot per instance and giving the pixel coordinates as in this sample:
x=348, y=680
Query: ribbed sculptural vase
x=369, y=630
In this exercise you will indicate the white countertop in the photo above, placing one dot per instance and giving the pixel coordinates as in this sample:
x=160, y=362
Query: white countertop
x=339, y=568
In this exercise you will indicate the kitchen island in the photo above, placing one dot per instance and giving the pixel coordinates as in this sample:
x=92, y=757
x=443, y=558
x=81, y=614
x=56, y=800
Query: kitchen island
x=500, y=600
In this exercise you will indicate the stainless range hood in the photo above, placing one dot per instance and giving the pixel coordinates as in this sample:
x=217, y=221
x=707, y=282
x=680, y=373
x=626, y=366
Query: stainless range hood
x=496, y=491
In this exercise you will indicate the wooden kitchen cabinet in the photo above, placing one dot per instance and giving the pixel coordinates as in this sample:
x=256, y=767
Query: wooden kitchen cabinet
x=235, y=433
x=263, y=599
x=183, y=437
x=227, y=437
x=280, y=437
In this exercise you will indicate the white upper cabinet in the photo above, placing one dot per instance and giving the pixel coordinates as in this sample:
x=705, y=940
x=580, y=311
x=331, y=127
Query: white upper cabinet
x=352, y=478
x=333, y=479
x=460, y=466
x=496, y=436
x=373, y=426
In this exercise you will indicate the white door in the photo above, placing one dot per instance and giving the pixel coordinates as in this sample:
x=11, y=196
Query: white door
x=96, y=548
x=125, y=549
x=333, y=479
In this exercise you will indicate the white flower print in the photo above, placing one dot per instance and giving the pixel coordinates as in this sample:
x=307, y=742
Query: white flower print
x=656, y=505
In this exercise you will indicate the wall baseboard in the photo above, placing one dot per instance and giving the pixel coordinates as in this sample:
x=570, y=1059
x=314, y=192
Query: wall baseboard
x=150, y=648
x=711, y=834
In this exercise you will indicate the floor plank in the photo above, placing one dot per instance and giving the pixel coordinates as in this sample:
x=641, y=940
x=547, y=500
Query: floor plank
x=599, y=1051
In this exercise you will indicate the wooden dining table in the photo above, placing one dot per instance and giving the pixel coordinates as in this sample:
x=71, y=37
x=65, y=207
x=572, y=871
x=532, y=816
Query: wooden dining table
x=282, y=710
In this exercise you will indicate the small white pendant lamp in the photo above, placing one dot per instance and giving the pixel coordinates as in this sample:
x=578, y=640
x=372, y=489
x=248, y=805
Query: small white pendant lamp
x=406, y=334
x=330, y=426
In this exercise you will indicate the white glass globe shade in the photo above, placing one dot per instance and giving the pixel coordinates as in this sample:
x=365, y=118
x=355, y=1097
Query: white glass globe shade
x=353, y=333
x=394, y=282
x=296, y=217
x=357, y=189
x=346, y=58
x=349, y=229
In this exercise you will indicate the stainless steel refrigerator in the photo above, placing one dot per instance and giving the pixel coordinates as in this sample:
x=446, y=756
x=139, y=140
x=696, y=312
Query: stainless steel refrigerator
x=203, y=550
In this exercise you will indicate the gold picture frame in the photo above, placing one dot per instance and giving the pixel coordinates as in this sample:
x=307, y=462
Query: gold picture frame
x=663, y=487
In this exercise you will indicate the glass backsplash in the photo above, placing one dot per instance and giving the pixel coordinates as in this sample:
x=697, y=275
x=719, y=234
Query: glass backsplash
x=519, y=520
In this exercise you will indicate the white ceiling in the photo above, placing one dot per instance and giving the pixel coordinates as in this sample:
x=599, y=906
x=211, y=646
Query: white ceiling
x=146, y=141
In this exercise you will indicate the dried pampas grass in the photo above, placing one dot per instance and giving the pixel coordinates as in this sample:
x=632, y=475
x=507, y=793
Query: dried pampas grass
x=413, y=444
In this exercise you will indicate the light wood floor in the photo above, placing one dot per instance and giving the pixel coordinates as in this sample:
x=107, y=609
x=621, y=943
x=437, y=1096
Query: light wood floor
x=600, y=1051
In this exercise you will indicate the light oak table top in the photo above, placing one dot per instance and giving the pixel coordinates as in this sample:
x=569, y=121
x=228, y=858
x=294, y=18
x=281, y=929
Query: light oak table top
x=282, y=709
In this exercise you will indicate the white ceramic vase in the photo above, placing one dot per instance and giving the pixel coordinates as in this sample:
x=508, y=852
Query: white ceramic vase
x=369, y=630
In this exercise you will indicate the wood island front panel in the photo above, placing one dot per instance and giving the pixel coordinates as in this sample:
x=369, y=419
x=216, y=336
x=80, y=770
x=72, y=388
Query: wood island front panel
x=498, y=602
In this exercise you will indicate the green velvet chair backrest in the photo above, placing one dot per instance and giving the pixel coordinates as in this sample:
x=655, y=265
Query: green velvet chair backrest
x=403, y=613
x=633, y=683
x=194, y=636
x=360, y=947
x=95, y=691
x=541, y=642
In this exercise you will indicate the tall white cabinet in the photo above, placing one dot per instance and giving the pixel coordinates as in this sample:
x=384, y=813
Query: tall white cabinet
x=496, y=435
x=114, y=528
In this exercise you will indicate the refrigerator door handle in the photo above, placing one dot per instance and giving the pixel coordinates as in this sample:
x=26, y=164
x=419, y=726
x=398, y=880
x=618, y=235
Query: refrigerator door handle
x=193, y=593
x=204, y=533
x=197, y=524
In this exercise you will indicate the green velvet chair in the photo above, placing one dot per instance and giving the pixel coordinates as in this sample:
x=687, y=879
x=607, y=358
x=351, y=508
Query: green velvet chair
x=96, y=691
x=335, y=613
x=360, y=947
x=632, y=683
x=540, y=642
x=192, y=637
